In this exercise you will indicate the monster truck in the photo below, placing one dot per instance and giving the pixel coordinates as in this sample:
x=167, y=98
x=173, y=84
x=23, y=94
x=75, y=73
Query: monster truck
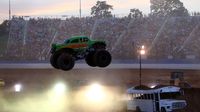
x=64, y=55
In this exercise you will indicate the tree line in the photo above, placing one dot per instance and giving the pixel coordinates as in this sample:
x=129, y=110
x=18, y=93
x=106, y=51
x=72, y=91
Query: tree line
x=161, y=8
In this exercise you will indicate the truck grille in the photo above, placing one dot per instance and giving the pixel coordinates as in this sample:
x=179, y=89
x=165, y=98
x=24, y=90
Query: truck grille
x=178, y=105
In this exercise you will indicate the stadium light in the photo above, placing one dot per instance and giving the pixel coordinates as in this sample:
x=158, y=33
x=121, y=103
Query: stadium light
x=142, y=52
x=95, y=92
x=17, y=87
x=59, y=88
x=142, y=47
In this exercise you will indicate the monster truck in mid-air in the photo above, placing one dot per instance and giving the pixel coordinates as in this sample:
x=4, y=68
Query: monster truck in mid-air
x=63, y=56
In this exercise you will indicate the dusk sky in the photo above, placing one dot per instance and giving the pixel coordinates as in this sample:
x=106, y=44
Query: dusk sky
x=71, y=7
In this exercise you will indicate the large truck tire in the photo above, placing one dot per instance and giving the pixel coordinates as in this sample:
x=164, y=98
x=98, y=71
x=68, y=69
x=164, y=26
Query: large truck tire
x=102, y=58
x=66, y=61
x=90, y=59
x=53, y=60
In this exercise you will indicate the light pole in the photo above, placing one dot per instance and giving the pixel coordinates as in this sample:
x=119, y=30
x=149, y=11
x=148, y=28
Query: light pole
x=9, y=11
x=80, y=11
x=80, y=8
x=142, y=52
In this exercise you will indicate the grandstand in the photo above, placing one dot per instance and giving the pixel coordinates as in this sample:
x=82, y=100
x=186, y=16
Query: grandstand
x=172, y=38
x=172, y=46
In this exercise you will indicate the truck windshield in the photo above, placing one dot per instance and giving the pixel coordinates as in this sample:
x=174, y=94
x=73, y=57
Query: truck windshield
x=174, y=95
x=66, y=41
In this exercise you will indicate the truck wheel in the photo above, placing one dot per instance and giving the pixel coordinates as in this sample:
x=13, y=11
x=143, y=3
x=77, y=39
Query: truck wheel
x=163, y=109
x=53, y=60
x=102, y=58
x=65, y=61
x=99, y=46
x=90, y=59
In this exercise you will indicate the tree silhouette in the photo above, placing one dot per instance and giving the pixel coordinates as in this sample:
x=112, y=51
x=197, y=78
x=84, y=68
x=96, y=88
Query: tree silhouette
x=168, y=8
x=101, y=10
x=4, y=27
x=135, y=13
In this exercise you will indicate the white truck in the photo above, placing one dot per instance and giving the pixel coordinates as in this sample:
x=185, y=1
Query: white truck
x=159, y=99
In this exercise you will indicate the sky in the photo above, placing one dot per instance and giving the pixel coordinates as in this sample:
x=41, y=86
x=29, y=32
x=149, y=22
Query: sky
x=71, y=7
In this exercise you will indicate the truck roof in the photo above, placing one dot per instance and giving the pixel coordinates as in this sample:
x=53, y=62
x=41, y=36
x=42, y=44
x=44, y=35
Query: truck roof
x=164, y=89
x=75, y=37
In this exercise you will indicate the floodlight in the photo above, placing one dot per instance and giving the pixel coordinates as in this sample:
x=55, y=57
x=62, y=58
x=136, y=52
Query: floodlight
x=59, y=88
x=95, y=92
x=18, y=87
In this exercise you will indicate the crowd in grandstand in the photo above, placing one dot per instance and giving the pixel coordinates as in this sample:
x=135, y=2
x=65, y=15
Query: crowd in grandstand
x=163, y=37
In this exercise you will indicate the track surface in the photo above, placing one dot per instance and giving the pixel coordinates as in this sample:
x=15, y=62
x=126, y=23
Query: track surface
x=112, y=66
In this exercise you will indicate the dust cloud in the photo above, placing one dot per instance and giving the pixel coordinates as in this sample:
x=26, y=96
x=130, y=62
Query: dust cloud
x=81, y=99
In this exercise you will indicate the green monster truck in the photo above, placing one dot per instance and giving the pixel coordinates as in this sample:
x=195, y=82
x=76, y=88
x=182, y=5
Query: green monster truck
x=63, y=56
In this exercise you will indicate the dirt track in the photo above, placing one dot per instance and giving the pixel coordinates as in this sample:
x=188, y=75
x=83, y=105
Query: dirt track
x=118, y=77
